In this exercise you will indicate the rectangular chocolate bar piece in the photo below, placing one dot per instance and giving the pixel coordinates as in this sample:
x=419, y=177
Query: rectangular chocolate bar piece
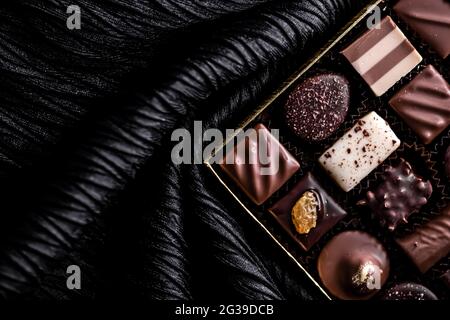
x=259, y=170
x=307, y=212
x=424, y=104
x=382, y=56
x=359, y=151
x=430, y=19
x=429, y=243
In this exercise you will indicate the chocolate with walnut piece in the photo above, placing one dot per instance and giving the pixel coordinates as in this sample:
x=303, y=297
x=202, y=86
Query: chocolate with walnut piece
x=400, y=194
x=307, y=212
x=317, y=106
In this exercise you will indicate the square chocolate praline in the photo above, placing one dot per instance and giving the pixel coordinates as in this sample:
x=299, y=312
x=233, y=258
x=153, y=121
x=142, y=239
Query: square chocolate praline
x=331, y=214
x=430, y=19
x=424, y=104
x=382, y=56
x=247, y=169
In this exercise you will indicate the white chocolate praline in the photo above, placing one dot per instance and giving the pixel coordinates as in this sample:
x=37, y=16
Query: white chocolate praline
x=359, y=151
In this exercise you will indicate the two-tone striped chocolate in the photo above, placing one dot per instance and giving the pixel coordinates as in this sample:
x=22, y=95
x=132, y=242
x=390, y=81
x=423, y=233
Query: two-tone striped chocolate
x=382, y=56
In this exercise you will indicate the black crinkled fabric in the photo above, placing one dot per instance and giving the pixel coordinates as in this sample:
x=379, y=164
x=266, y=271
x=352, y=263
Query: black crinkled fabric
x=85, y=121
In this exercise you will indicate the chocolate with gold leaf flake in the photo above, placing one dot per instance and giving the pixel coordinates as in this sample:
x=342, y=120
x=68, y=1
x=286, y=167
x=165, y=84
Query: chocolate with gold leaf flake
x=307, y=212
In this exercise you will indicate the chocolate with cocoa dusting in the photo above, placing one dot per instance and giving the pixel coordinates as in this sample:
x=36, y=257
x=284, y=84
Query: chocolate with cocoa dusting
x=317, y=107
x=401, y=193
x=359, y=151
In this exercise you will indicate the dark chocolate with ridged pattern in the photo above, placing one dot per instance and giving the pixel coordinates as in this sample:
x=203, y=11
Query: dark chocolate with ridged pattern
x=329, y=214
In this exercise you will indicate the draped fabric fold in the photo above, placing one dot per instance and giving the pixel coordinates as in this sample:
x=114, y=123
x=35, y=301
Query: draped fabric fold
x=86, y=118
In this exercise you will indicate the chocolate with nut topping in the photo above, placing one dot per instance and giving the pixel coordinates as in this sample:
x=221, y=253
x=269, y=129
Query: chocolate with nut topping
x=400, y=194
x=307, y=212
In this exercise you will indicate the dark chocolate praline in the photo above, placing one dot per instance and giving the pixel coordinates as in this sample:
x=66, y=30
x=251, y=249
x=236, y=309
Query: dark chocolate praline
x=408, y=291
x=317, y=106
x=401, y=193
x=353, y=266
x=329, y=212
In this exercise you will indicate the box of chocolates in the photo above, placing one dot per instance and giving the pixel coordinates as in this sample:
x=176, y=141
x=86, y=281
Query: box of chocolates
x=352, y=183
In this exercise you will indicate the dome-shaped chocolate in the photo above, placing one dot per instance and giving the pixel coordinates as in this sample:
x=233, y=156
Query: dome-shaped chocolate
x=408, y=291
x=353, y=265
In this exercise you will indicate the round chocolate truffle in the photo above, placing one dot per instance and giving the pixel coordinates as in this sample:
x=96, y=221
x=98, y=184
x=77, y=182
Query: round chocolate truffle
x=353, y=266
x=408, y=291
x=447, y=162
x=317, y=106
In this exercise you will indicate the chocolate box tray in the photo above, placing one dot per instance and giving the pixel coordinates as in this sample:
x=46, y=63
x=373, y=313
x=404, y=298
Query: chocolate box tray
x=427, y=160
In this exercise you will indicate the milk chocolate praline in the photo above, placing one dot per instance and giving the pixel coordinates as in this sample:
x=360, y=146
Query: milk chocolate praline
x=429, y=242
x=353, y=266
x=430, y=19
x=259, y=180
